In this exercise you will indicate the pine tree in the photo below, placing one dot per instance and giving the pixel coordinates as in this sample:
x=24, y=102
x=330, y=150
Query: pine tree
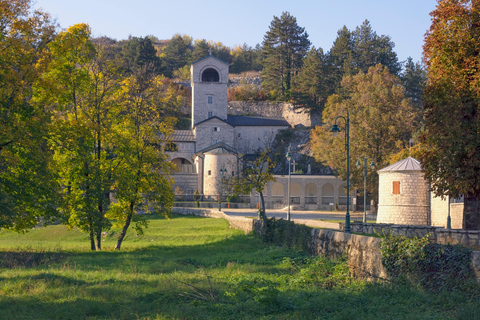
x=284, y=46
x=414, y=77
x=311, y=90
x=177, y=53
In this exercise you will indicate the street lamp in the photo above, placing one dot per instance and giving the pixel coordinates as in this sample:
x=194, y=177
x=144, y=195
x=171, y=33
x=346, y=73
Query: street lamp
x=449, y=218
x=372, y=165
x=289, y=158
x=222, y=170
x=335, y=130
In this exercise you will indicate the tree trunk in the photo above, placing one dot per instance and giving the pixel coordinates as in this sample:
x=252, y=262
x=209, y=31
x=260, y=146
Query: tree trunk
x=261, y=213
x=99, y=240
x=471, y=211
x=92, y=240
x=125, y=228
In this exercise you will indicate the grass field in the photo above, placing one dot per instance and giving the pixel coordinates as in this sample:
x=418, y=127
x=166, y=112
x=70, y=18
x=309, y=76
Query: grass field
x=195, y=268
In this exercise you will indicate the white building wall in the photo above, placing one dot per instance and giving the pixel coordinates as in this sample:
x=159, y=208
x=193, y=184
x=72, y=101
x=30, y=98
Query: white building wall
x=249, y=139
x=212, y=177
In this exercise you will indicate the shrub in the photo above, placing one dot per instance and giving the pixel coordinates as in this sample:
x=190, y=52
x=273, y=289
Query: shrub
x=432, y=266
x=289, y=234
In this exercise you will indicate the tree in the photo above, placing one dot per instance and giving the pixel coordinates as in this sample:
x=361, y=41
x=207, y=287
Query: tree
x=245, y=58
x=78, y=86
x=27, y=183
x=311, y=90
x=451, y=140
x=256, y=175
x=177, y=53
x=414, y=77
x=142, y=179
x=358, y=50
x=139, y=52
x=200, y=50
x=381, y=122
x=284, y=46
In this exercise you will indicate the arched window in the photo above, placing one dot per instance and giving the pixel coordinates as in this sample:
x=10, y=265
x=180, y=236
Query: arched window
x=210, y=75
x=171, y=147
x=328, y=193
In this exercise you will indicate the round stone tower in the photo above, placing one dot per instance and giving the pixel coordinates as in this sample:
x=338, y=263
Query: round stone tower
x=404, y=194
x=215, y=160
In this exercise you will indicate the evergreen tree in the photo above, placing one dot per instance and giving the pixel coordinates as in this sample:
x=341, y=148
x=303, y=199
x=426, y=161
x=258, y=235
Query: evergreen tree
x=414, y=77
x=200, y=50
x=139, y=52
x=177, y=53
x=311, y=91
x=284, y=46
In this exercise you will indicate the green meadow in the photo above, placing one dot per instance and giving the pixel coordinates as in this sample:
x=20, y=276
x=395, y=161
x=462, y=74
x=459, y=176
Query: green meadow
x=195, y=268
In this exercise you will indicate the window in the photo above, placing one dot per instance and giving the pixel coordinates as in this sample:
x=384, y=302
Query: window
x=210, y=99
x=233, y=173
x=216, y=129
x=210, y=114
x=210, y=75
x=239, y=135
x=214, y=141
x=265, y=133
x=396, y=187
x=209, y=172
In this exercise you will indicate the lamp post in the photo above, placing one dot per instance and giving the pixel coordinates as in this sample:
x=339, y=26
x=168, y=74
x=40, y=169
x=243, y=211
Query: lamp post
x=449, y=218
x=335, y=130
x=222, y=170
x=289, y=158
x=372, y=165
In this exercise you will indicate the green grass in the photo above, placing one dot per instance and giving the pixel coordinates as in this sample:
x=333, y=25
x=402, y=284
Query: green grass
x=50, y=273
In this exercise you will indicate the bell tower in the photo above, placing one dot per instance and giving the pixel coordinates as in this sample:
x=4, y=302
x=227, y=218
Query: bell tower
x=209, y=81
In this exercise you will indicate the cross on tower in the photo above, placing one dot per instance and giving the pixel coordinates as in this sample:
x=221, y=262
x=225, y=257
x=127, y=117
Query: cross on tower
x=210, y=51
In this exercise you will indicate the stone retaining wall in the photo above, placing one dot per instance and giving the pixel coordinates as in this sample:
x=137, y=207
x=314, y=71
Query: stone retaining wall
x=437, y=234
x=363, y=252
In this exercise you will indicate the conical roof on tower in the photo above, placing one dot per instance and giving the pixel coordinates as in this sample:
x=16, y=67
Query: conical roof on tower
x=408, y=164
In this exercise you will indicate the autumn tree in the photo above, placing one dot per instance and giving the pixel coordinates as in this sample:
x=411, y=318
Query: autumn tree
x=284, y=46
x=27, y=183
x=200, y=50
x=142, y=177
x=78, y=86
x=255, y=175
x=451, y=140
x=381, y=123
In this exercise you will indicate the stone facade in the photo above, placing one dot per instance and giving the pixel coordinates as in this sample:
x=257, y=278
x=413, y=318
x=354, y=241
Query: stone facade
x=209, y=96
x=275, y=110
x=439, y=212
x=250, y=139
x=213, y=131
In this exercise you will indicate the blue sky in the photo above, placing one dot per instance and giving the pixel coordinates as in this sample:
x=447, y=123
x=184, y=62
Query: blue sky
x=238, y=22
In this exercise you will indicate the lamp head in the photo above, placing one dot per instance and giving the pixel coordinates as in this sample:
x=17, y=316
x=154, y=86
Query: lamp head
x=358, y=164
x=372, y=165
x=335, y=130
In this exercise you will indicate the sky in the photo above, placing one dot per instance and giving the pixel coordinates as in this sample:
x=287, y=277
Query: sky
x=246, y=21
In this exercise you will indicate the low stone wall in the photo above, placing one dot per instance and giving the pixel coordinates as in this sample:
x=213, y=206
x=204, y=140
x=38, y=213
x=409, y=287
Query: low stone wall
x=363, y=252
x=437, y=234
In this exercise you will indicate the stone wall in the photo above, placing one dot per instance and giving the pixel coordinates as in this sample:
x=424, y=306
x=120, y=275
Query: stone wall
x=363, y=252
x=437, y=234
x=271, y=109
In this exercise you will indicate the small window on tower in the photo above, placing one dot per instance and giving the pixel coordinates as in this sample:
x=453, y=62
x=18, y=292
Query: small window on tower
x=210, y=99
x=396, y=187
x=216, y=129
x=210, y=114
x=239, y=135
x=214, y=141
x=209, y=172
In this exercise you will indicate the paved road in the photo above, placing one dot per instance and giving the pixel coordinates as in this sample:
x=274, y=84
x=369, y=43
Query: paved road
x=310, y=218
